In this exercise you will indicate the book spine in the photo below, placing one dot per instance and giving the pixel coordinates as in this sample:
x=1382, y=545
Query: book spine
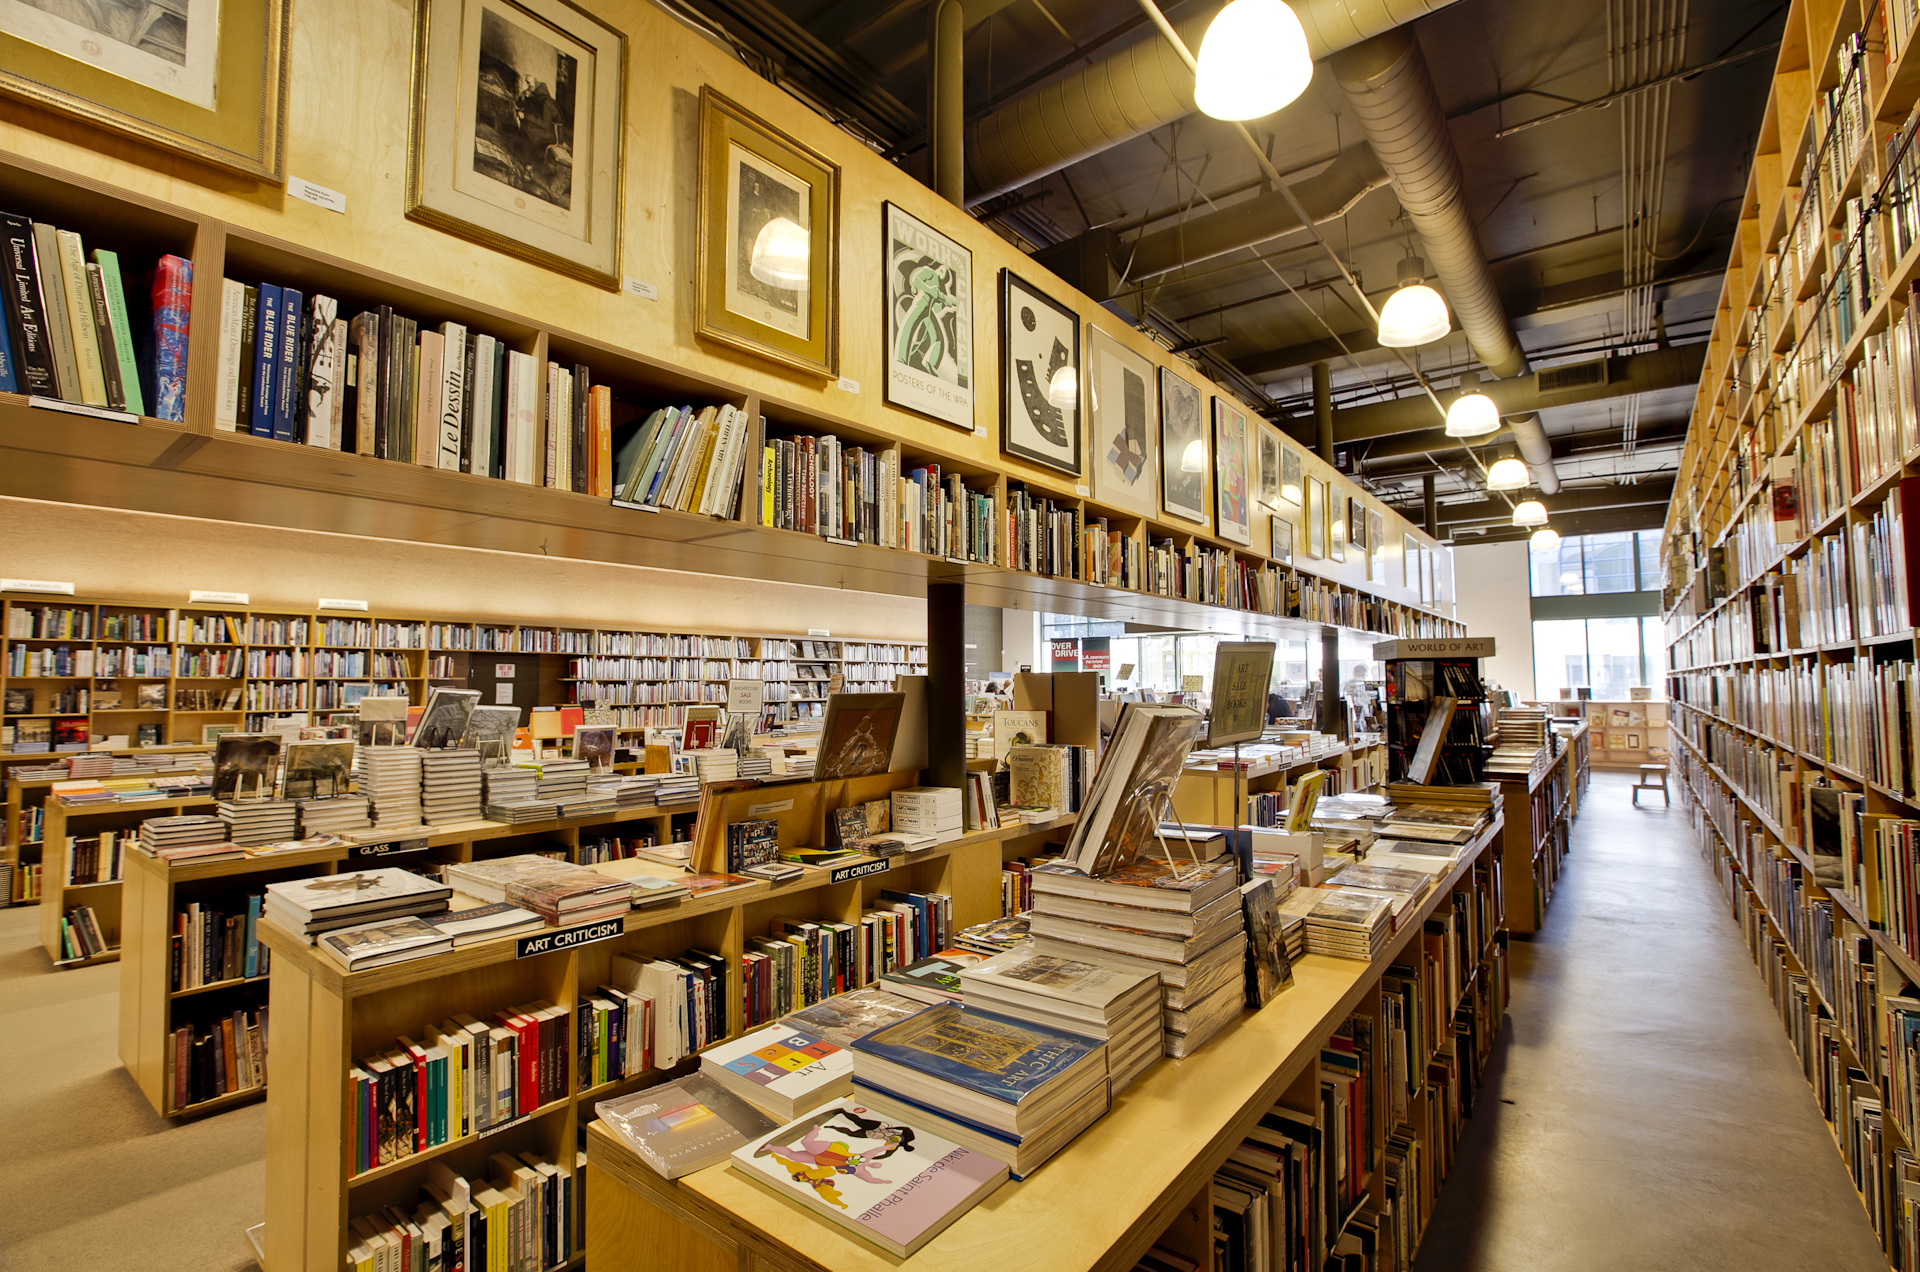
x=323, y=373
x=172, y=326
x=233, y=296
x=470, y=395
x=451, y=396
x=116, y=293
x=381, y=382
x=243, y=373
x=518, y=419
x=431, y=387
x=288, y=394
x=498, y=409
x=581, y=469
x=103, y=337
x=337, y=399
x=53, y=303
x=26, y=319
x=478, y=437
x=9, y=367
x=549, y=472
x=266, y=360
x=79, y=299
x=364, y=335
x=603, y=441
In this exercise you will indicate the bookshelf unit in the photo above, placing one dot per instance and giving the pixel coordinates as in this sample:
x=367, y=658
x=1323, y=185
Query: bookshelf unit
x=1539, y=815
x=58, y=896
x=1205, y=797
x=1788, y=604
x=1192, y=1113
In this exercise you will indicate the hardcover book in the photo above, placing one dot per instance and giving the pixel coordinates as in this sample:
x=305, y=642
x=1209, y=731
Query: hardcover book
x=685, y=1125
x=780, y=1069
x=990, y=1055
x=389, y=941
x=854, y=1014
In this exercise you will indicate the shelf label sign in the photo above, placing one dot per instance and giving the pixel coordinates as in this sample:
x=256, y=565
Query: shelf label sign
x=337, y=603
x=569, y=938
x=745, y=696
x=642, y=288
x=366, y=852
x=318, y=195
x=1438, y=647
x=217, y=598
x=768, y=810
x=36, y=585
x=857, y=870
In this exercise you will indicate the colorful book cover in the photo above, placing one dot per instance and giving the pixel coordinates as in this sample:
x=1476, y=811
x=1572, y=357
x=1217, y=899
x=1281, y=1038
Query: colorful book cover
x=995, y=1056
x=685, y=1125
x=787, y=1061
x=172, y=314
x=939, y=973
x=266, y=360
x=881, y=1179
x=854, y=1014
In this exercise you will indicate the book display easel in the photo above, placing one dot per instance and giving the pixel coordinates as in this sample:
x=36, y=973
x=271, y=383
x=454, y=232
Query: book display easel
x=1155, y=1154
x=1789, y=608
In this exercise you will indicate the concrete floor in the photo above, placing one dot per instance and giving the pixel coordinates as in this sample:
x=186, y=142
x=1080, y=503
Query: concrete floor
x=1644, y=1109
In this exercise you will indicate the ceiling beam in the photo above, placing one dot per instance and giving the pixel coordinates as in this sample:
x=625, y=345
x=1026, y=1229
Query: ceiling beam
x=1654, y=492
x=1405, y=455
x=1606, y=521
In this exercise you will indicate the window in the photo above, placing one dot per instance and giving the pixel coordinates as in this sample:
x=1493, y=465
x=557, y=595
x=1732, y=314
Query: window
x=1609, y=562
x=1596, y=564
x=1649, y=560
x=1606, y=655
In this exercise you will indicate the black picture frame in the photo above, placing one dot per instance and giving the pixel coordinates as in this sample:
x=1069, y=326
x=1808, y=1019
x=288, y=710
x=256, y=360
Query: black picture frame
x=1066, y=458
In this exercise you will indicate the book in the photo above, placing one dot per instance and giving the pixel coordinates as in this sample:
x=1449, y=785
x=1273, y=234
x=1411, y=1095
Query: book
x=310, y=905
x=879, y=1178
x=78, y=298
x=935, y=979
x=1147, y=882
x=1269, y=970
x=451, y=396
x=380, y=944
x=1082, y=989
x=114, y=289
x=266, y=360
x=53, y=303
x=856, y=739
x=685, y=1125
x=1116, y=825
x=25, y=315
x=289, y=376
x=103, y=337
x=855, y=1014
x=486, y=923
x=781, y=1070
x=324, y=357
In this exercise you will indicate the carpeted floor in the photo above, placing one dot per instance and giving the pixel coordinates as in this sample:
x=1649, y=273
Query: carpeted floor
x=96, y=1179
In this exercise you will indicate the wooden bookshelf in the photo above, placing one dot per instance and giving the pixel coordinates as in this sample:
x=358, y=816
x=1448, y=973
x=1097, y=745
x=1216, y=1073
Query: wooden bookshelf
x=1205, y=797
x=1105, y=1200
x=1539, y=813
x=58, y=896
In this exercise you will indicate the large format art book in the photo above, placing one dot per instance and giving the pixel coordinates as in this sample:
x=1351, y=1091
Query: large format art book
x=875, y=1176
x=685, y=1125
x=1121, y=812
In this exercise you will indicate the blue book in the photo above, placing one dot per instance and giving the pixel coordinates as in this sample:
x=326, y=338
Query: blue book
x=253, y=941
x=286, y=373
x=9, y=381
x=995, y=1056
x=922, y=925
x=664, y=448
x=266, y=360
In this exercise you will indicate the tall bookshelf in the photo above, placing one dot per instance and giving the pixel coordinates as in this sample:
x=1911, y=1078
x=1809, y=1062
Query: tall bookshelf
x=1788, y=604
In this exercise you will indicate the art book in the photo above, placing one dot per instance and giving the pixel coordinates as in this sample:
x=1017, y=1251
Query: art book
x=685, y=1125
x=243, y=765
x=857, y=738
x=781, y=1070
x=378, y=944
x=1120, y=814
x=444, y=722
x=875, y=1176
x=978, y=1060
x=1269, y=970
x=854, y=1014
x=934, y=979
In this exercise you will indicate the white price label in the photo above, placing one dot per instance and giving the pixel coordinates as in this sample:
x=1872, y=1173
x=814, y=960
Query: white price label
x=217, y=598
x=337, y=603
x=318, y=195
x=849, y=386
x=36, y=585
x=1082, y=491
x=642, y=288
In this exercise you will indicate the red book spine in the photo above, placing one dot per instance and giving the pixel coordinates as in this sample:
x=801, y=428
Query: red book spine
x=172, y=312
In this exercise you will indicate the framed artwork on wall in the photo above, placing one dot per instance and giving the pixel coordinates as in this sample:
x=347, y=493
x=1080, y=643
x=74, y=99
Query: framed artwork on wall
x=515, y=141
x=1281, y=549
x=1290, y=488
x=1357, y=525
x=1336, y=524
x=1269, y=465
x=1410, y=564
x=1123, y=426
x=197, y=77
x=1377, y=547
x=1233, y=517
x=1316, y=491
x=768, y=232
x=1039, y=376
x=1185, y=457
x=929, y=324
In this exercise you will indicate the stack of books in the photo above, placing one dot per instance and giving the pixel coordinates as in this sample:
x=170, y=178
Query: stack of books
x=677, y=788
x=1020, y=1096
x=188, y=838
x=1440, y=814
x=561, y=778
x=511, y=784
x=450, y=785
x=756, y=764
x=310, y=907
x=928, y=810
x=260, y=821
x=721, y=765
x=390, y=777
x=1345, y=922
x=628, y=790
x=338, y=815
x=523, y=810
x=1187, y=922
x=1121, y=1007
x=995, y=936
x=99, y=764
x=558, y=891
x=586, y=804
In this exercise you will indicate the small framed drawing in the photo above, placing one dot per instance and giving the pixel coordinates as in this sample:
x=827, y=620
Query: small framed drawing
x=518, y=116
x=1282, y=548
x=1290, y=488
x=1123, y=426
x=1233, y=518
x=1377, y=547
x=198, y=77
x=1039, y=376
x=1269, y=466
x=1316, y=509
x=1410, y=564
x=1336, y=524
x=768, y=231
x=1185, y=458
x=1616, y=741
x=1633, y=741
x=1357, y=525
x=929, y=324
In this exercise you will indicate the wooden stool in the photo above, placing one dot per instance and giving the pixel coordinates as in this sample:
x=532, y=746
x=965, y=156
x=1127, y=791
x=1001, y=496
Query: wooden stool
x=1653, y=777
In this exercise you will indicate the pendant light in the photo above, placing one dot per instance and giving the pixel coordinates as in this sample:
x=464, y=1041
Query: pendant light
x=1414, y=314
x=1507, y=473
x=1194, y=458
x=1530, y=512
x=1253, y=60
x=780, y=254
x=1545, y=539
x=1063, y=390
x=1473, y=413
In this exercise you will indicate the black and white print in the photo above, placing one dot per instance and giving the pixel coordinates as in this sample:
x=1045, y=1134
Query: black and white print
x=929, y=328
x=525, y=111
x=765, y=206
x=1039, y=377
x=171, y=46
x=1123, y=425
x=1186, y=459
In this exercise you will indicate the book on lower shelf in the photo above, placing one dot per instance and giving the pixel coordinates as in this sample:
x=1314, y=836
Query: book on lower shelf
x=211, y=945
x=81, y=936
x=216, y=1057
x=529, y=1212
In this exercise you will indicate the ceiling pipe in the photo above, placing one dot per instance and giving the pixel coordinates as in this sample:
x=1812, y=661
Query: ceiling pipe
x=1654, y=491
x=1143, y=86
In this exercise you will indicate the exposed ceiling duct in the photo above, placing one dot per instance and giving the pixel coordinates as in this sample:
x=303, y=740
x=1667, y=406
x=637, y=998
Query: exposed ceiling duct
x=1135, y=90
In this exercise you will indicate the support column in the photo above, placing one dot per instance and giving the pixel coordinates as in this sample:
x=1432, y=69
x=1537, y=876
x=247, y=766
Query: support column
x=1333, y=711
x=946, y=685
x=1432, y=505
x=1323, y=408
x=946, y=102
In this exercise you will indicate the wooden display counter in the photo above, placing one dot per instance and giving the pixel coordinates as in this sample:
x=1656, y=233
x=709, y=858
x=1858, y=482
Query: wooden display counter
x=1539, y=816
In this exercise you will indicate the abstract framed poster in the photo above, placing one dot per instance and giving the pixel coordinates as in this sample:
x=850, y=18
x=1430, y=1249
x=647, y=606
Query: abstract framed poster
x=519, y=110
x=1123, y=426
x=1039, y=376
x=768, y=235
x=200, y=77
x=1282, y=547
x=1316, y=491
x=1185, y=458
x=1336, y=524
x=1269, y=465
x=1233, y=514
x=1377, y=547
x=929, y=323
x=1290, y=488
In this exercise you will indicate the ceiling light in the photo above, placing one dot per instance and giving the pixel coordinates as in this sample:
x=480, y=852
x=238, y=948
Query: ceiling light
x=1194, y=458
x=1530, y=512
x=780, y=254
x=1473, y=413
x=1545, y=539
x=1506, y=474
x=1415, y=314
x=1253, y=60
x=1063, y=390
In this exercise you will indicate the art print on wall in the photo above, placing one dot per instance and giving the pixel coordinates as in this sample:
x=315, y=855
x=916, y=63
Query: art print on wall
x=1233, y=514
x=1291, y=490
x=929, y=329
x=1282, y=547
x=1316, y=491
x=518, y=119
x=1377, y=547
x=1269, y=466
x=1039, y=376
x=1123, y=423
x=1357, y=525
x=1410, y=564
x=1336, y=524
x=1185, y=457
x=200, y=77
x=768, y=237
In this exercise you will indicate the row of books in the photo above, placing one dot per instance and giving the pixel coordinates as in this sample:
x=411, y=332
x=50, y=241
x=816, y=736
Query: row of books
x=94, y=858
x=222, y=1056
x=529, y=1215
x=801, y=963
x=68, y=333
x=209, y=946
x=81, y=935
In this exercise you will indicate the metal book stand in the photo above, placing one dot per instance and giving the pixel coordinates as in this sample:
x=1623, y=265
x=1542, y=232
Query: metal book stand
x=1157, y=795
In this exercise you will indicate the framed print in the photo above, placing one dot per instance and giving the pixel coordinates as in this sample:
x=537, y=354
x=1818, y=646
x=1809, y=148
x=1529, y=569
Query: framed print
x=1290, y=488
x=1282, y=547
x=769, y=233
x=1336, y=524
x=929, y=327
x=518, y=120
x=1185, y=457
x=199, y=77
x=1123, y=426
x=1316, y=509
x=1233, y=516
x=1039, y=376
x=1269, y=466
x=1357, y=525
x=1376, y=547
x=1410, y=564
x=1426, y=575
x=1633, y=741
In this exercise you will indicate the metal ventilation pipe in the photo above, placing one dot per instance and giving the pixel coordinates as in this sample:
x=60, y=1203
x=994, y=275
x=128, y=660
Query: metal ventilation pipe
x=1386, y=81
x=1137, y=89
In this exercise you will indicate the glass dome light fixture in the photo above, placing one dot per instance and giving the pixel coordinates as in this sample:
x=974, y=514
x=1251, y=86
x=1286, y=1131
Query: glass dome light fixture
x=1545, y=539
x=1415, y=314
x=1473, y=413
x=781, y=252
x=1194, y=458
x=1530, y=512
x=1507, y=473
x=1063, y=390
x=1253, y=60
